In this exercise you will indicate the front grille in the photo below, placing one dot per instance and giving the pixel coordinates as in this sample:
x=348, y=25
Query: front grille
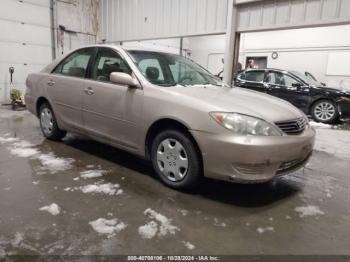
x=292, y=127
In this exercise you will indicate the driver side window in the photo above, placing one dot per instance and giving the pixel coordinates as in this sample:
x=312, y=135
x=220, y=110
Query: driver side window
x=107, y=62
x=277, y=78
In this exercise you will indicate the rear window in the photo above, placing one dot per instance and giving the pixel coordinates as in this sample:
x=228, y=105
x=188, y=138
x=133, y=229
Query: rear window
x=254, y=76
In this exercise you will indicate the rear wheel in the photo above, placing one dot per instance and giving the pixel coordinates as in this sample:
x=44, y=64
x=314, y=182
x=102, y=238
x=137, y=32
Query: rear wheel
x=324, y=111
x=176, y=160
x=48, y=123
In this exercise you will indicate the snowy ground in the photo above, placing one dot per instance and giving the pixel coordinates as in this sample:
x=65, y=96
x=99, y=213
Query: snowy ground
x=82, y=197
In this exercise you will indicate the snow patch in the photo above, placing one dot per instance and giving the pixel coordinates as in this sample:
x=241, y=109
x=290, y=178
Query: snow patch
x=189, y=245
x=321, y=125
x=92, y=173
x=149, y=230
x=108, y=188
x=23, y=143
x=183, y=212
x=23, y=152
x=163, y=223
x=262, y=230
x=108, y=227
x=309, y=211
x=55, y=164
x=4, y=140
x=53, y=209
x=218, y=224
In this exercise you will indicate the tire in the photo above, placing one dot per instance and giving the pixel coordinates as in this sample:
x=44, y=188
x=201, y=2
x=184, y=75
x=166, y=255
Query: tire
x=48, y=123
x=176, y=160
x=325, y=111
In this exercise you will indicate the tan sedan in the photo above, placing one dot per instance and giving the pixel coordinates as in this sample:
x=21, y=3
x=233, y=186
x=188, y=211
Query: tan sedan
x=168, y=109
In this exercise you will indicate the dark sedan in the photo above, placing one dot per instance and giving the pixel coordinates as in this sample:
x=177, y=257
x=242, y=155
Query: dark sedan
x=324, y=104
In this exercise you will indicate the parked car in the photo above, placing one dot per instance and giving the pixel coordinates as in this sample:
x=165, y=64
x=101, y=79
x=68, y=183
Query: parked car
x=324, y=104
x=171, y=111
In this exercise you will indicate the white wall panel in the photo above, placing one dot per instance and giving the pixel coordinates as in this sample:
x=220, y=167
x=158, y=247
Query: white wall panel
x=25, y=12
x=24, y=33
x=25, y=41
x=125, y=20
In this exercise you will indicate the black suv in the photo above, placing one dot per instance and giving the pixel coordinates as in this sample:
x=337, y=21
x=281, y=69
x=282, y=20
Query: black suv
x=324, y=104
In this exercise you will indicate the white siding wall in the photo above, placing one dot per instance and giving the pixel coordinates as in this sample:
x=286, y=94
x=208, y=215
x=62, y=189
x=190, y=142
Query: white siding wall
x=208, y=51
x=25, y=41
x=171, y=45
x=303, y=50
x=312, y=50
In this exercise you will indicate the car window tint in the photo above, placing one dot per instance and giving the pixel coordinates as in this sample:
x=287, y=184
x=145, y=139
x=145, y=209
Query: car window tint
x=241, y=76
x=151, y=67
x=277, y=78
x=107, y=62
x=255, y=76
x=76, y=64
x=289, y=81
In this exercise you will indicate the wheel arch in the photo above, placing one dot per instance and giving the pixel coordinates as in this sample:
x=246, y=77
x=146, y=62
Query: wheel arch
x=39, y=102
x=166, y=123
x=320, y=99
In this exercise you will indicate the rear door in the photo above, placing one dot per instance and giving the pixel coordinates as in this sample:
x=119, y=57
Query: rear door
x=66, y=84
x=252, y=79
x=112, y=111
x=289, y=88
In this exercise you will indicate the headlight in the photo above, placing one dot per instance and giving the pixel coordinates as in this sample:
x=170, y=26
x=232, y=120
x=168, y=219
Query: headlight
x=245, y=125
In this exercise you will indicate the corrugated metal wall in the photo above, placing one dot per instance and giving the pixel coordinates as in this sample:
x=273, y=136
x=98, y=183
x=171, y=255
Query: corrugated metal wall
x=280, y=14
x=123, y=20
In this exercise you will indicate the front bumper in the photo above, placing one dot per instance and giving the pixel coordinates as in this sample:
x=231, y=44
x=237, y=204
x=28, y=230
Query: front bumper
x=249, y=159
x=344, y=109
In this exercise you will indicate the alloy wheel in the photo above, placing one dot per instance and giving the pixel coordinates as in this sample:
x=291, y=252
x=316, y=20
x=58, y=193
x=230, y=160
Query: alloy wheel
x=324, y=111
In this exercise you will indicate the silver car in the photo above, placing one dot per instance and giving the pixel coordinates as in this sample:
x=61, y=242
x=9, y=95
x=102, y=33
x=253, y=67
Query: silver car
x=171, y=111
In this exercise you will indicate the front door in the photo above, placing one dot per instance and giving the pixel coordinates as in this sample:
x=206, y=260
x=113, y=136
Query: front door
x=112, y=111
x=288, y=88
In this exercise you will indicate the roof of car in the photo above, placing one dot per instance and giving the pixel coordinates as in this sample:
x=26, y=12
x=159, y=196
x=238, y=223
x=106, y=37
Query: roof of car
x=273, y=69
x=127, y=48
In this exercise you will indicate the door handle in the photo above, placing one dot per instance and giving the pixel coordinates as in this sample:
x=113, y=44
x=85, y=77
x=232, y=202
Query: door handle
x=89, y=91
x=50, y=83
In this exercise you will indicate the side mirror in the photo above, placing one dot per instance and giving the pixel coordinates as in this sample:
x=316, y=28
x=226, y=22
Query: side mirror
x=124, y=79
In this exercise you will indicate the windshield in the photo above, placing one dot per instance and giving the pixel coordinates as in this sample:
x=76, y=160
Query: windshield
x=306, y=79
x=170, y=70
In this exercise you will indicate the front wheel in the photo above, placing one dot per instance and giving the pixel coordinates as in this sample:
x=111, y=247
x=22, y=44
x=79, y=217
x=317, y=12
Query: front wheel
x=176, y=160
x=48, y=123
x=324, y=111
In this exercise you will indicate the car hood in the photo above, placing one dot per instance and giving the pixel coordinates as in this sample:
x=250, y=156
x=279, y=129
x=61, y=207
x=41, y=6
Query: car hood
x=217, y=98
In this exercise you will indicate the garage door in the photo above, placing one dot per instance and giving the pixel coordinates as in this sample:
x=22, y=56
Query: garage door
x=25, y=41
